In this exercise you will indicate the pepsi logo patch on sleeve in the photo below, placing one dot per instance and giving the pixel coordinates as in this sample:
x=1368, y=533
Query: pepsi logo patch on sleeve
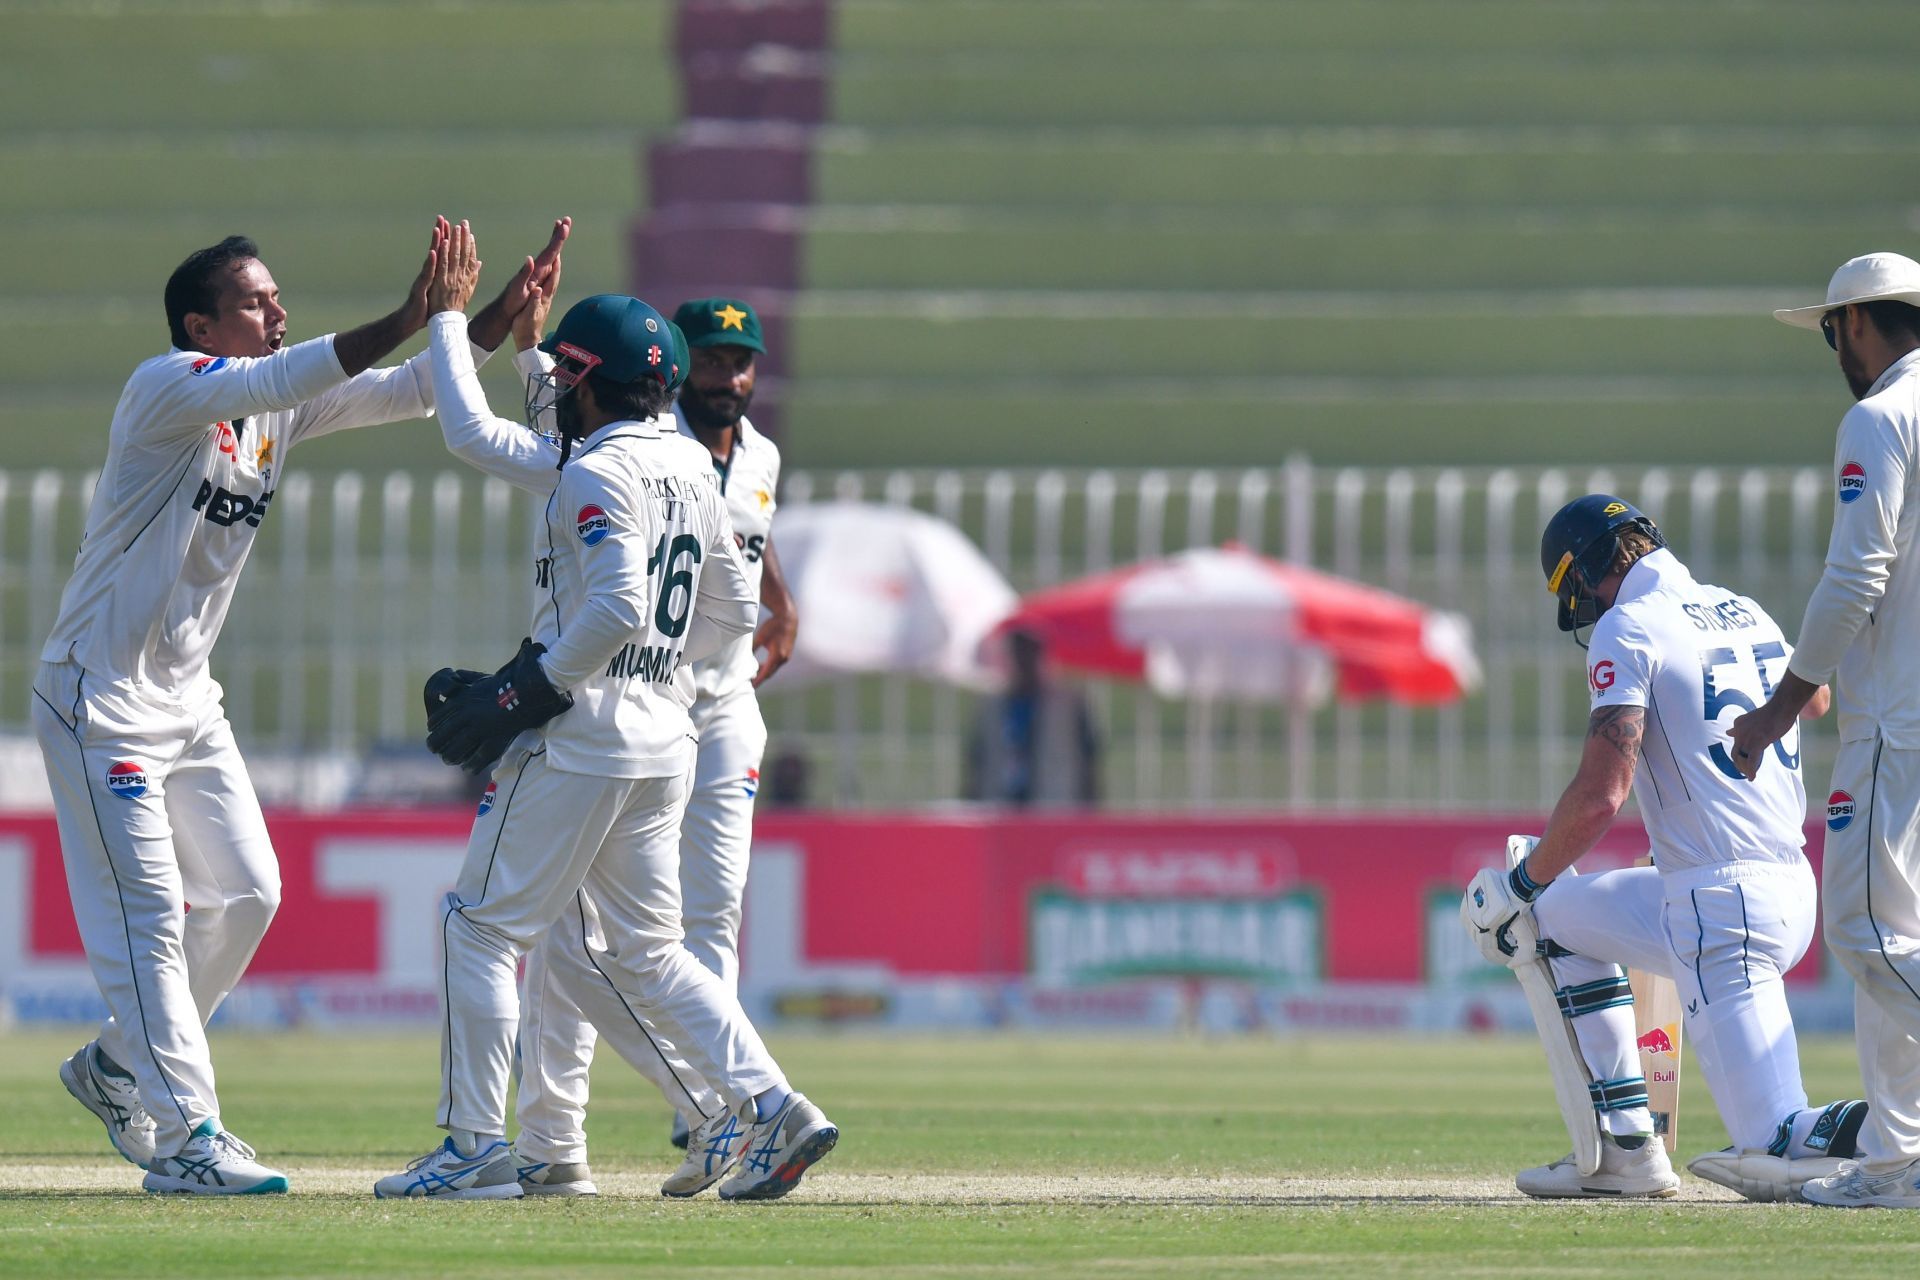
x=487, y=798
x=592, y=525
x=207, y=364
x=1839, y=811
x=1853, y=481
x=126, y=780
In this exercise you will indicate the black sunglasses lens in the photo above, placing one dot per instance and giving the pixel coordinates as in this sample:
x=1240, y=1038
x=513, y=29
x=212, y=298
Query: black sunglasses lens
x=1826, y=331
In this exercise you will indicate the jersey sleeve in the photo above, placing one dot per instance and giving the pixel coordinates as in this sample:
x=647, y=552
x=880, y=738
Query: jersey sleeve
x=1872, y=468
x=725, y=605
x=617, y=534
x=400, y=393
x=1619, y=668
x=179, y=394
x=472, y=433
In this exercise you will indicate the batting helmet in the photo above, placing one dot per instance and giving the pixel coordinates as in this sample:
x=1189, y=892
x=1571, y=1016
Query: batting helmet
x=1578, y=548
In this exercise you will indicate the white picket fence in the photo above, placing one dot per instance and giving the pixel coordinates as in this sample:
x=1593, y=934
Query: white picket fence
x=362, y=584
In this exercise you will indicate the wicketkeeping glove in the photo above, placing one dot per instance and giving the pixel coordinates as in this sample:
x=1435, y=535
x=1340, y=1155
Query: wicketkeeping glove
x=476, y=719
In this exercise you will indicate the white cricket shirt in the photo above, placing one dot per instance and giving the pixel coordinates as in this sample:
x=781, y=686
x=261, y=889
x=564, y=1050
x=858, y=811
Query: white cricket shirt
x=636, y=572
x=1697, y=657
x=749, y=478
x=195, y=452
x=1862, y=627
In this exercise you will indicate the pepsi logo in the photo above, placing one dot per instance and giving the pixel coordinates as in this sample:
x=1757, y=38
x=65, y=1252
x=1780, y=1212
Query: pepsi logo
x=207, y=364
x=487, y=797
x=592, y=525
x=1839, y=811
x=126, y=780
x=1853, y=482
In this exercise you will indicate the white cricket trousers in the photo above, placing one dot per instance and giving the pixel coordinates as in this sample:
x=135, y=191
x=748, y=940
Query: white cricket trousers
x=172, y=876
x=547, y=836
x=1726, y=935
x=1871, y=884
x=567, y=1005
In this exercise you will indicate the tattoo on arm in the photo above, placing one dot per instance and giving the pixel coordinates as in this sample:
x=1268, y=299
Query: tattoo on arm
x=1621, y=728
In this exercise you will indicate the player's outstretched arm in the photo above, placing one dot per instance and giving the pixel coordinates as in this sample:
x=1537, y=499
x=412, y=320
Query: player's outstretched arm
x=471, y=431
x=358, y=350
x=490, y=326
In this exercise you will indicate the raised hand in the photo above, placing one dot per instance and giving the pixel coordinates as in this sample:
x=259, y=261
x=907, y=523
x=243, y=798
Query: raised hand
x=414, y=311
x=456, y=273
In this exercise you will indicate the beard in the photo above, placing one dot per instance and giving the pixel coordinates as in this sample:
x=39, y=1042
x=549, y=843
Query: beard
x=566, y=417
x=701, y=411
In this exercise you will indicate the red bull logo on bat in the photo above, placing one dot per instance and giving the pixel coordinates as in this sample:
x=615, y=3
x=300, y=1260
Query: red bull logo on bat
x=1656, y=1040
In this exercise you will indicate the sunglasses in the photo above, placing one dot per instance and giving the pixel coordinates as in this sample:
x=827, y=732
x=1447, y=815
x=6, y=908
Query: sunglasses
x=1828, y=330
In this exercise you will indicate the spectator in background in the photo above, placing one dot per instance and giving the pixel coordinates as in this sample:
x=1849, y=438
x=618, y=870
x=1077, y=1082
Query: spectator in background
x=788, y=778
x=1033, y=746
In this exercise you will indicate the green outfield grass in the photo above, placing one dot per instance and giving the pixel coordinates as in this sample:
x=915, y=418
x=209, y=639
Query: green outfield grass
x=990, y=1155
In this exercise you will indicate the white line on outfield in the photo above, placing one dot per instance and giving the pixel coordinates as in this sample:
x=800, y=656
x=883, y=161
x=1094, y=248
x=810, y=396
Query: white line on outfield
x=828, y=1186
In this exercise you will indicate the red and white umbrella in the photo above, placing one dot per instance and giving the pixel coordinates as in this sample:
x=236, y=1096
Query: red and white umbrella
x=1226, y=623
x=887, y=589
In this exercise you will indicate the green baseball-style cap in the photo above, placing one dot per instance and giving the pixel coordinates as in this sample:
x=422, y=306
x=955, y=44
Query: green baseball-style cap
x=620, y=338
x=720, y=322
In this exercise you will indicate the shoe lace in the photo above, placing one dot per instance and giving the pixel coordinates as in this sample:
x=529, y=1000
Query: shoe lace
x=232, y=1144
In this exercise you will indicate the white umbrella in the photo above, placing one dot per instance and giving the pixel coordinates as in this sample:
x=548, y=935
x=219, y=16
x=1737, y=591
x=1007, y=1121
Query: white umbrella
x=887, y=589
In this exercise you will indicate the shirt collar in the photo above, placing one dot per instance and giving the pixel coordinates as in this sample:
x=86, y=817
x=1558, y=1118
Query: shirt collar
x=1899, y=368
x=1649, y=573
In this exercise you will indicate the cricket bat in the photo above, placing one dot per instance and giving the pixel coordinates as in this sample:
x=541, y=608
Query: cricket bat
x=1656, y=1029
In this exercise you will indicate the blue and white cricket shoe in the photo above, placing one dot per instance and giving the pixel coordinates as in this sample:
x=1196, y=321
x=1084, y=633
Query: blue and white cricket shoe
x=213, y=1163
x=111, y=1096
x=780, y=1149
x=444, y=1174
x=1854, y=1188
x=712, y=1149
x=545, y=1178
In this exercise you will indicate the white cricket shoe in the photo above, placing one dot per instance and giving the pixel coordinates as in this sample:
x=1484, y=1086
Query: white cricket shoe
x=1622, y=1174
x=1854, y=1188
x=1759, y=1175
x=113, y=1097
x=544, y=1178
x=780, y=1149
x=444, y=1174
x=213, y=1163
x=712, y=1149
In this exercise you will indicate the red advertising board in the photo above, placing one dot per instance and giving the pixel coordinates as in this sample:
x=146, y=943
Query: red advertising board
x=1070, y=899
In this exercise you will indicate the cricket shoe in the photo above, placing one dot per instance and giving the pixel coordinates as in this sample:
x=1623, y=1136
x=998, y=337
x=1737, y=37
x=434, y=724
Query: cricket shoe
x=1854, y=1188
x=544, y=1178
x=712, y=1149
x=1759, y=1175
x=1622, y=1174
x=444, y=1174
x=112, y=1096
x=213, y=1163
x=779, y=1150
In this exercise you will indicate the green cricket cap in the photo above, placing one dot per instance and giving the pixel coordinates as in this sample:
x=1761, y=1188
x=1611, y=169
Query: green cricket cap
x=717, y=322
x=620, y=338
